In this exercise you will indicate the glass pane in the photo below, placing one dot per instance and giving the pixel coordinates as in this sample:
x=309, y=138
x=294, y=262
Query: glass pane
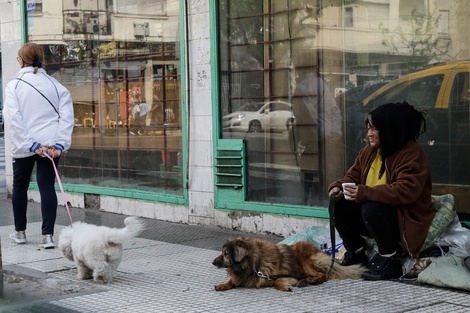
x=285, y=148
x=459, y=129
x=115, y=65
x=333, y=62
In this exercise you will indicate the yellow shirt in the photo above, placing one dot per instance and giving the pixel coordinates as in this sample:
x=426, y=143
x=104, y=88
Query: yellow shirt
x=373, y=175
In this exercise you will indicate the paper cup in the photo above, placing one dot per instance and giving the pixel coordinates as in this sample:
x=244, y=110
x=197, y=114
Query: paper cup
x=346, y=196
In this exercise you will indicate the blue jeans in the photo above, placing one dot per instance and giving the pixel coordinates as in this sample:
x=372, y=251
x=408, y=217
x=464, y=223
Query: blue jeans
x=22, y=170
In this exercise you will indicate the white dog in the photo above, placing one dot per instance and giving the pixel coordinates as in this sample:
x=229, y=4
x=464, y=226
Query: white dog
x=97, y=250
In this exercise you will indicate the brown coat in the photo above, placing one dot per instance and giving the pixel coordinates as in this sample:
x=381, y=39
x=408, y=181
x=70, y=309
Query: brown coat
x=409, y=190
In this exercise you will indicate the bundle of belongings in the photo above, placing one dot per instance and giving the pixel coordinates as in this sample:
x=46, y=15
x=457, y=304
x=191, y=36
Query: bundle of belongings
x=444, y=260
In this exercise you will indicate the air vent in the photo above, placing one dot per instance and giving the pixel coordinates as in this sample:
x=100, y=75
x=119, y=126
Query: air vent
x=230, y=168
x=141, y=30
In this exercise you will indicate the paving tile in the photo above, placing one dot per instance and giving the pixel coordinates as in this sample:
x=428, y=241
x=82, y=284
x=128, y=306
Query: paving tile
x=169, y=269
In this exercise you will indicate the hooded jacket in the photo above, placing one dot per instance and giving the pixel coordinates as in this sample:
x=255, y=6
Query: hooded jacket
x=34, y=120
x=408, y=189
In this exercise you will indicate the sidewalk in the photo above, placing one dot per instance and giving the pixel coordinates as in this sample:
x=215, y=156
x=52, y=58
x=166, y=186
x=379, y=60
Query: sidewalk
x=168, y=269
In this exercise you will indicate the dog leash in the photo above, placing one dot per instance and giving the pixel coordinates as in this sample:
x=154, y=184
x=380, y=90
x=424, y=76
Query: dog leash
x=60, y=185
x=331, y=212
x=274, y=277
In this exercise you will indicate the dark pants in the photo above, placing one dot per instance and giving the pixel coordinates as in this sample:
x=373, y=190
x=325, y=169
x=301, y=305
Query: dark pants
x=372, y=219
x=22, y=170
x=141, y=121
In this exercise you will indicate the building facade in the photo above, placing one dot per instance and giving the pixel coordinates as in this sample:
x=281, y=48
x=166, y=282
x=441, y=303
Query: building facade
x=239, y=114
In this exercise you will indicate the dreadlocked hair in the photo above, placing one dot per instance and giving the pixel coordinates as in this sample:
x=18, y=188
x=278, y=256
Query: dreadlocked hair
x=397, y=124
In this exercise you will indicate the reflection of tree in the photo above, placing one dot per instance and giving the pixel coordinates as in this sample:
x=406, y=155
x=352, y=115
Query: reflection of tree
x=421, y=42
x=75, y=50
x=244, y=25
x=78, y=50
x=108, y=49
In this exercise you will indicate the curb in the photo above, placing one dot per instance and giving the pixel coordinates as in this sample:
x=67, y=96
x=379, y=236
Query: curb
x=65, y=286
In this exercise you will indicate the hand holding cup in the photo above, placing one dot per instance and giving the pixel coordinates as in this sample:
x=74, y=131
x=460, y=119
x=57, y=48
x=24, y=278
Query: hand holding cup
x=349, y=190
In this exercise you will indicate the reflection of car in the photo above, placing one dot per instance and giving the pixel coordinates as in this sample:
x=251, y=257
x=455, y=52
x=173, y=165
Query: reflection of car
x=357, y=94
x=259, y=116
x=444, y=92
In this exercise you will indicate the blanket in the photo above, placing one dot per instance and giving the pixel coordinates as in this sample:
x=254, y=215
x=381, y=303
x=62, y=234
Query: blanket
x=448, y=271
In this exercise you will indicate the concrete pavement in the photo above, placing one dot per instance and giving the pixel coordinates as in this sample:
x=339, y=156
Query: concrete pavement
x=168, y=269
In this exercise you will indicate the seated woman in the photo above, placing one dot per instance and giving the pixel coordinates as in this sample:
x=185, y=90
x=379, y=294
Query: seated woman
x=391, y=199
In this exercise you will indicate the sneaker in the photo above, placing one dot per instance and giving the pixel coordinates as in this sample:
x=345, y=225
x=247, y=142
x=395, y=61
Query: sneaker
x=19, y=237
x=132, y=133
x=139, y=132
x=382, y=268
x=47, y=242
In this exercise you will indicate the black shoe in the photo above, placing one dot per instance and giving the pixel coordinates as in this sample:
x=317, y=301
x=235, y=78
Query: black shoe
x=382, y=268
x=351, y=258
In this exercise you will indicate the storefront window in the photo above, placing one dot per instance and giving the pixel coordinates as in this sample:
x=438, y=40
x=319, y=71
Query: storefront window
x=322, y=61
x=119, y=59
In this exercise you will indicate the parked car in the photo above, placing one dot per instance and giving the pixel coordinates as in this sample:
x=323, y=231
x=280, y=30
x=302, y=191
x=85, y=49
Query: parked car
x=259, y=116
x=355, y=95
x=444, y=92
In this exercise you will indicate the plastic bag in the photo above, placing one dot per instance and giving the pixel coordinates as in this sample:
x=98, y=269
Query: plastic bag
x=457, y=238
x=448, y=271
x=319, y=236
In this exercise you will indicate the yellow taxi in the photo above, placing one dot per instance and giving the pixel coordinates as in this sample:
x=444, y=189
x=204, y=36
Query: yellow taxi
x=443, y=91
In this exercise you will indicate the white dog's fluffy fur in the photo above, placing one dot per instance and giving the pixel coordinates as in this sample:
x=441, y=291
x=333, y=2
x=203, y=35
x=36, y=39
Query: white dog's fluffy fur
x=97, y=250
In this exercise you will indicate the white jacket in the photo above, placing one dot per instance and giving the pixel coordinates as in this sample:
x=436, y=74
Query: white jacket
x=31, y=119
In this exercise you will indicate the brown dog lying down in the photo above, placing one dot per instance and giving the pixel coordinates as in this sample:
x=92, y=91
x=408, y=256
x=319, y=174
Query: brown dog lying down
x=258, y=263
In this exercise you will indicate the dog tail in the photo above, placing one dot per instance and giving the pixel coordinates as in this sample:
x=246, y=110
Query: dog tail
x=344, y=272
x=339, y=271
x=322, y=262
x=134, y=226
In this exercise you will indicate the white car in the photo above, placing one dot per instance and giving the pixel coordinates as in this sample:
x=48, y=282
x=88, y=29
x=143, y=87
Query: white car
x=259, y=116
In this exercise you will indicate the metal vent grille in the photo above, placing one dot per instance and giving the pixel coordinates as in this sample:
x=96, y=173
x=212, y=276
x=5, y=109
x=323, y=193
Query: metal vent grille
x=229, y=169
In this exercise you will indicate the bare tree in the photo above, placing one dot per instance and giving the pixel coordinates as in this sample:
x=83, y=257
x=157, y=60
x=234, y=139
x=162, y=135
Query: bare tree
x=421, y=42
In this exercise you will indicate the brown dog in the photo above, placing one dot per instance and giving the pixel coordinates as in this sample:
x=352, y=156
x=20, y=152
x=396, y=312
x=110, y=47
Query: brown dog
x=258, y=263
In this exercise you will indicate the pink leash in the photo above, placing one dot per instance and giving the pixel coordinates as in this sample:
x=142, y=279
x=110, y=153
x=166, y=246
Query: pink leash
x=60, y=185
